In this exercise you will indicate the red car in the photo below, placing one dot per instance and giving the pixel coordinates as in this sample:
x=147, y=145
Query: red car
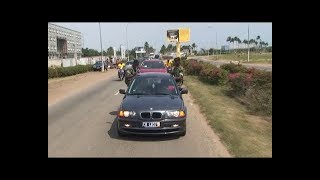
x=153, y=65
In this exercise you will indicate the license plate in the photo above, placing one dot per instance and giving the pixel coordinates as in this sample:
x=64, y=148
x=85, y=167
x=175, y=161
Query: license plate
x=151, y=124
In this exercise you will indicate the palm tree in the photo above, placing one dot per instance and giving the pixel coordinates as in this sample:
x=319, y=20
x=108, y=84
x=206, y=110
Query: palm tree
x=245, y=41
x=229, y=40
x=190, y=49
x=251, y=41
x=258, y=40
x=194, y=46
x=203, y=50
x=238, y=40
x=232, y=41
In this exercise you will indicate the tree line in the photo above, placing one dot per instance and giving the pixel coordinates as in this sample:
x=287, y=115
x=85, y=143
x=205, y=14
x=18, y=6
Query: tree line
x=258, y=43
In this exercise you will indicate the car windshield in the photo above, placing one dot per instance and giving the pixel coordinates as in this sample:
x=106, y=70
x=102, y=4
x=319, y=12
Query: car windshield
x=152, y=64
x=153, y=86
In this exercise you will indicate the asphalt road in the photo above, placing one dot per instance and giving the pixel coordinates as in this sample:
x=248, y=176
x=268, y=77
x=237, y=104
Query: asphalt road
x=266, y=67
x=83, y=125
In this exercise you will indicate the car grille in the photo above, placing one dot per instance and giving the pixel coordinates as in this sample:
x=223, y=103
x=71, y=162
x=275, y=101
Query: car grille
x=156, y=115
x=145, y=115
x=153, y=115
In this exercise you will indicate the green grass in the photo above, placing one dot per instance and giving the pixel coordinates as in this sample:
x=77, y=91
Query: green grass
x=243, y=134
x=264, y=58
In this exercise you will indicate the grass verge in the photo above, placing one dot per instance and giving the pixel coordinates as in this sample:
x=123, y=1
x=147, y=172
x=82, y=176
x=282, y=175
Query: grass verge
x=243, y=134
x=256, y=58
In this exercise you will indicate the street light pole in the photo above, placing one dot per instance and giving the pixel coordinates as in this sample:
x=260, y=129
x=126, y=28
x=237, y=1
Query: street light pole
x=127, y=39
x=75, y=53
x=248, y=44
x=102, y=66
x=209, y=43
x=216, y=45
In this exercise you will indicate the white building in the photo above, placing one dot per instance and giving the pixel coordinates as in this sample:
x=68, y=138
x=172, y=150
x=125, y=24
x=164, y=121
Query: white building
x=63, y=42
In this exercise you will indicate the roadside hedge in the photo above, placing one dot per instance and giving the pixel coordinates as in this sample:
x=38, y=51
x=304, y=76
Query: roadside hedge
x=212, y=74
x=68, y=71
x=252, y=86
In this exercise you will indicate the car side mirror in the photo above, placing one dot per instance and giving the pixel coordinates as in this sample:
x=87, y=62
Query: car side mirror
x=122, y=91
x=184, y=91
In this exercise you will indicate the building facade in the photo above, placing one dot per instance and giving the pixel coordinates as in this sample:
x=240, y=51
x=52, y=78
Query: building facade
x=63, y=42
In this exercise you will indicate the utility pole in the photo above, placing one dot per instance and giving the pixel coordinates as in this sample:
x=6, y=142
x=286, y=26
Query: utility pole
x=102, y=66
x=75, y=53
x=127, y=40
x=216, y=45
x=248, y=44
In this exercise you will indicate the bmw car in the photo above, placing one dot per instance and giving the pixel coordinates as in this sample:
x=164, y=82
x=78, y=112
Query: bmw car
x=152, y=105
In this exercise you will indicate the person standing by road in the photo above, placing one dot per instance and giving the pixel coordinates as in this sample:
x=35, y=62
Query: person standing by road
x=177, y=71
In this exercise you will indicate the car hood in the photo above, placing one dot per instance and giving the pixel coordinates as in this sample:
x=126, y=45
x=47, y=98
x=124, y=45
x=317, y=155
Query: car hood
x=140, y=103
x=144, y=70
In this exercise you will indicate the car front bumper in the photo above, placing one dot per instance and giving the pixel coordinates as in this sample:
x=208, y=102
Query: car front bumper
x=166, y=126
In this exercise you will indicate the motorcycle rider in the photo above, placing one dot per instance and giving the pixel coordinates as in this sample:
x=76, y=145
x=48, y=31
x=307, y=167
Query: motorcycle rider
x=177, y=71
x=131, y=71
x=121, y=66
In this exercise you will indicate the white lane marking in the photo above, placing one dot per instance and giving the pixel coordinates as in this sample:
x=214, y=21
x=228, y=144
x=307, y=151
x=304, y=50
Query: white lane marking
x=116, y=93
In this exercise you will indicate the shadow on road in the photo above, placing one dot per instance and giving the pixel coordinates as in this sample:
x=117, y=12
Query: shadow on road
x=113, y=113
x=117, y=80
x=114, y=135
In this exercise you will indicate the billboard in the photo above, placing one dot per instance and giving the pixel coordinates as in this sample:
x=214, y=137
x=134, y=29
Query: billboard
x=178, y=35
x=184, y=34
x=140, y=50
x=173, y=35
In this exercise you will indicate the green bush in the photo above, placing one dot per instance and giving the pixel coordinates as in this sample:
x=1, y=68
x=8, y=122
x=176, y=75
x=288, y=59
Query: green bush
x=68, y=71
x=239, y=82
x=255, y=88
x=261, y=78
x=193, y=67
x=212, y=74
x=259, y=99
x=234, y=68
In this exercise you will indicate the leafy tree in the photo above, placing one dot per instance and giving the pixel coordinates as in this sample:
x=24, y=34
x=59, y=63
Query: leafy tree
x=163, y=49
x=109, y=51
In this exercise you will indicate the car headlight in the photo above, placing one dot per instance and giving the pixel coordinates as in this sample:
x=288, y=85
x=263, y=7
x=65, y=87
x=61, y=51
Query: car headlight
x=126, y=113
x=176, y=113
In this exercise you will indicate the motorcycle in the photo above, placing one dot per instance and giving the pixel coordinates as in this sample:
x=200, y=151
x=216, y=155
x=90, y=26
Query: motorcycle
x=121, y=74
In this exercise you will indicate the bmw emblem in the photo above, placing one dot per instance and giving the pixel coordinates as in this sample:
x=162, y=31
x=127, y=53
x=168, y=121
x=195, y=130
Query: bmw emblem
x=150, y=108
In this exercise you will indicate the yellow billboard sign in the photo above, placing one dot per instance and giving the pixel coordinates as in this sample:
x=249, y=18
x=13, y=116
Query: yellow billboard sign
x=184, y=34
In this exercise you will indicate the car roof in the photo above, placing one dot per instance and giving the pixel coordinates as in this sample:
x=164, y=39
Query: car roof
x=153, y=60
x=154, y=74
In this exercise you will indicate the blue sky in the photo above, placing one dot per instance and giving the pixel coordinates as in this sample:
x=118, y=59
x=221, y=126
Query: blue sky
x=203, y=34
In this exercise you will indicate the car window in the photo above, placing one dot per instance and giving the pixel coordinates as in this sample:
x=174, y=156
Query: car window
x=152, y=64
x=153, y=86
